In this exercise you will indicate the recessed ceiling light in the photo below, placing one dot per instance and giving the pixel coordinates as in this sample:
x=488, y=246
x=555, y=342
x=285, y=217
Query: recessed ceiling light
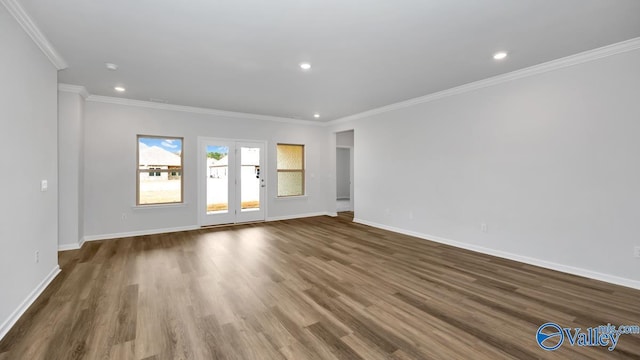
x=119, y=89
x=305, y=66
x=500, y=55
x=316, y=115
x=111, y=66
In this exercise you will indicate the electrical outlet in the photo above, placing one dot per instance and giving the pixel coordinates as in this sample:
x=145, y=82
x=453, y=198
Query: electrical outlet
x=123, y=216
x=636, y=252
x=37, y=256
x=410, y=215
x=484, y=228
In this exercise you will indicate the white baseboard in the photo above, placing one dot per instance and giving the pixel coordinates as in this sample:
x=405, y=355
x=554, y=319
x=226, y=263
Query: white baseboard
x=299, y=216
x=66, y=247
x=137, y=233
x=176, y=229
x=506, y=255
x=13, y=318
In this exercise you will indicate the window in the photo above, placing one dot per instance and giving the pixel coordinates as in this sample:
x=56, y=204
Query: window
x=159, y=171
x=290, y=160
x=153, y=173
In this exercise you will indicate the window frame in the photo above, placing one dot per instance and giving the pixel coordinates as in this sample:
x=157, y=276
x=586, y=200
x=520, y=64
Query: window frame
x=158, y=171
x=303, y=171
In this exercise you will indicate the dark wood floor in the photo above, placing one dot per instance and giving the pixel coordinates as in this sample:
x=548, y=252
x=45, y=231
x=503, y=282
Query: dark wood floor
x=315, y=288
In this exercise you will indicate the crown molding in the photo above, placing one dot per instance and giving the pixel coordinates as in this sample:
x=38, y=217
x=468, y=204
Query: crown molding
x=76, y=89
x=576, y=59
x=30, y=27
x=199, y=110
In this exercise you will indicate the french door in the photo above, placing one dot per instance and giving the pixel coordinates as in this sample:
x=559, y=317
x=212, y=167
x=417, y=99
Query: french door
x=231, y=181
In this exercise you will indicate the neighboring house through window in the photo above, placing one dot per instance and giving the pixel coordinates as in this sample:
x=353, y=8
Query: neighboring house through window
x=159, y=171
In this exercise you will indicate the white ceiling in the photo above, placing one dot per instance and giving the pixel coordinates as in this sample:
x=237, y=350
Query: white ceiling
x=243, y=55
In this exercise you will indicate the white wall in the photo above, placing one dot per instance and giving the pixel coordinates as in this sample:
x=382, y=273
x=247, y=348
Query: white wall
x=110, y=164
x=344, y=138
x=549, y=162
x=29, y=217
x=70, y=169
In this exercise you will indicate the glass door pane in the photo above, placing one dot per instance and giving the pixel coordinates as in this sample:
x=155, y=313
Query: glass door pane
x=250, y=178
x=217, y=179
x=250, y=188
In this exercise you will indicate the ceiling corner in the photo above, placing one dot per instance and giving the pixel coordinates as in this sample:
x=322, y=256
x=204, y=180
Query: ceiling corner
x=30, y=27
x=76, y=89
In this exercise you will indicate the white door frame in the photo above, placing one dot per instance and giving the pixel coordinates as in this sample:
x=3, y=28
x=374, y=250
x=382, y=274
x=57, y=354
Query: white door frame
x=234, y=214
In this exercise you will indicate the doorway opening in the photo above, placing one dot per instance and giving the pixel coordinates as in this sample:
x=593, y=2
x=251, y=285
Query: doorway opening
x=231, y=186
x=344, y=171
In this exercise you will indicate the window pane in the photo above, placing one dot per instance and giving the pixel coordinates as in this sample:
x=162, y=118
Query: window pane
x=164, y=155
x=290, y=157
x=290, y=183
x=159, y=190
